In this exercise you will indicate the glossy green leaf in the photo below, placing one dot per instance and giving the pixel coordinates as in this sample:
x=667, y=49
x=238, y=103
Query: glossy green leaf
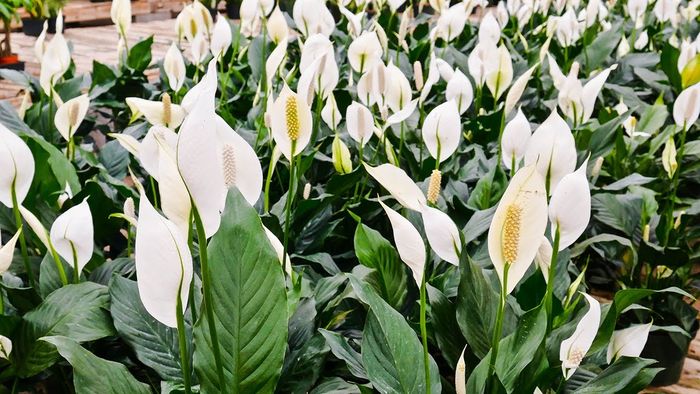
x=477, y=303
x=154, y=343
x=94, y=375
x=250, y=305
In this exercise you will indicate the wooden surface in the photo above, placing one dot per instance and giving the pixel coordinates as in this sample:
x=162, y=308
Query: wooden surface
x=85, y=11
x=92, y=43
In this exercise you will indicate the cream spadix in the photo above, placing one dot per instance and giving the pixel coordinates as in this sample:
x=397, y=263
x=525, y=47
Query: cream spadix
x=291, y=123
x=518, y=225
x=72, y=235
x=199, y=160
x=399, y=185
x=17, y=164
x=443, y=234
x=409, y=243
x=157, y=113
x=163, y=264
x=574, y=349
x=240, y=163
x=441, y=130
x=570, y=207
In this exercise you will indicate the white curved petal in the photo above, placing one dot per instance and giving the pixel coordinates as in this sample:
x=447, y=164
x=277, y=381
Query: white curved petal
x=72, y=235
x=163, y=264
x=243, y=169
x=17, y=167
x=204, y=90
x=461, y=374
x=279, y=250
x=499, y=74
x=574, y=348
x=518, y=225
x=398, y=184
x=555, y=72
x=274, y=61
x=298, y=124
x=149, y=148
x=364, y=51
x=402, y=115
x=359, y=122
x=591, y=90
x=199, y=161
x=515, y=137
x=36, y=226
x=443, y=234
x=330, y=113
x=460, y=90
x=174, y=67
x=5, y=347
x=570, y=207
x=516, y=91
x=409, y=243
x=628, y=342
x=687, y=107
x=543, y=258
x=221, y=37
x=433, y=77
x=441, y=130
x=174, y=198
x=70, y=115
x=7, y=252
x=552, y=149
x=127, y=142
x=155, y=113
x=398, y=90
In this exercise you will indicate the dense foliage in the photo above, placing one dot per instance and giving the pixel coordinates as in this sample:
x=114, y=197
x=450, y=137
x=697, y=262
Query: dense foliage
x=352, y=197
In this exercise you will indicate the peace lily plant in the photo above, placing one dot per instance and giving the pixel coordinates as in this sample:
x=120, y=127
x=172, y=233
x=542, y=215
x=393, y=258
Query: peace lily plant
x=379, y=196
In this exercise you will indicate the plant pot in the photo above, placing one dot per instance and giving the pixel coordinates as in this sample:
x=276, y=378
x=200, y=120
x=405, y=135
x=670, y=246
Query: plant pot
x=233, y=9
x=669, y=350
x=11, y=62
x=33, y=27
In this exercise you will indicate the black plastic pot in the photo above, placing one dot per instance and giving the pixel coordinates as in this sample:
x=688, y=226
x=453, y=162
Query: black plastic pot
x=33, y=27
x=669, y=350
x=233, y=9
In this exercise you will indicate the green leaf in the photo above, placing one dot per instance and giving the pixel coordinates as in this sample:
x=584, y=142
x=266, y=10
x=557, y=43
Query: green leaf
x=391, y=352
x=389, y=278
x=619, y=211
x=76, y=311
x=343, y=351
x=92, y=374
x=477, y=303
x=140, y=55
x=49, y=278
x=619, y=376
x=155, y=344
x=653, y=119
x=600, y=49
x=623, y=299
x=443, y=322
x=250, y=305
x=669, y=65
x=518, y=349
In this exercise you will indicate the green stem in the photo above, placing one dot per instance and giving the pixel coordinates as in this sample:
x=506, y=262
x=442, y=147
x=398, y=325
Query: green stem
x=424, y=335
x=206, y=288
x=500, y=137
x=288, y=210
x=268, y=180
x=154, y=191
x=22, y=239
x=190, y=244
x=549, y=296
x=674, y=187
x=76, y=272
x=59, y=265
x=182, y=339
x=498, y=331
